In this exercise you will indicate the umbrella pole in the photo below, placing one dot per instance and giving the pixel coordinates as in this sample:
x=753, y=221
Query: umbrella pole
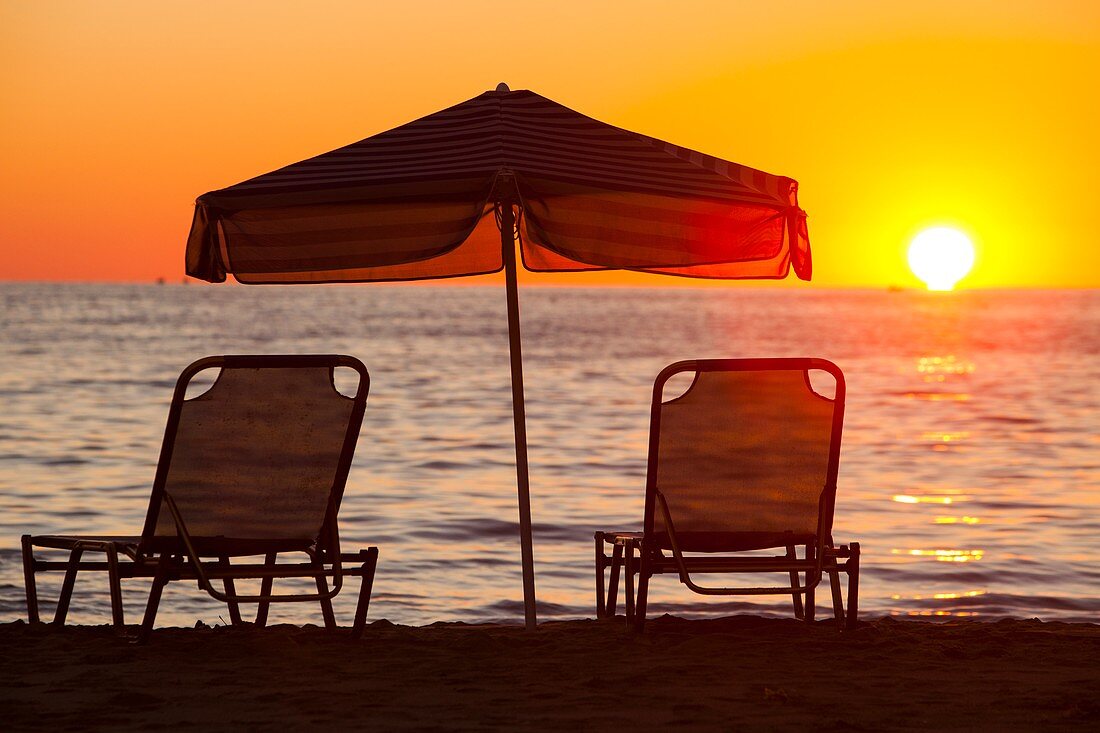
x=519, y=417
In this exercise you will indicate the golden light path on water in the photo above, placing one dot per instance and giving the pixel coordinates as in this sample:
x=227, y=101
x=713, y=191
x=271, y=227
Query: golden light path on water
x=940, y=370
x=908, y=499
x=943, y=555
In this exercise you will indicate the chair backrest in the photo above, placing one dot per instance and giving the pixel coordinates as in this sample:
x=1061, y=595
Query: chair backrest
x=747, y=457
x=258, y=462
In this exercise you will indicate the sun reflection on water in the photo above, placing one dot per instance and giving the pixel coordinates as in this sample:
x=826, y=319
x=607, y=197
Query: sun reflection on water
x=943, y=555
x=946, y=437
x=931, y=499
x=942, y=365
x=938, y=596
x=939, y=396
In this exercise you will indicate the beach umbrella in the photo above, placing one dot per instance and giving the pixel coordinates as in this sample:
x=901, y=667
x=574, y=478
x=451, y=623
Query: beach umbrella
x=449, y=194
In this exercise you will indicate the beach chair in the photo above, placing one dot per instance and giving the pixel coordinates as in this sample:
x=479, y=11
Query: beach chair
x=744, y=461
x=254, y=466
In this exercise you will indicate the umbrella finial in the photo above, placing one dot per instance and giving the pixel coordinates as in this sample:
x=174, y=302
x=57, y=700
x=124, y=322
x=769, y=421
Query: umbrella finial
x=502, y=87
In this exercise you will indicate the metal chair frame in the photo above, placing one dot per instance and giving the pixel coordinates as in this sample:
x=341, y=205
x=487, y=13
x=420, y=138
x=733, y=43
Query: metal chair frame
x=165, y=561
x=638, y=554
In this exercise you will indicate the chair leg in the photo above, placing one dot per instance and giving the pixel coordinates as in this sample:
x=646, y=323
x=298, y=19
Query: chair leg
x=118, y=618
x=613, y=581
x=628, y=580
x=29, y=581
x=796, y=597
x=838, y=602
x=643, y=594
x=853, y=585
x=231, y=591
x=601, y=563
x=265, y=590
x=326, y=603
x=160, y=579
x=67, y=588
x=370, y=563
x=810, y=592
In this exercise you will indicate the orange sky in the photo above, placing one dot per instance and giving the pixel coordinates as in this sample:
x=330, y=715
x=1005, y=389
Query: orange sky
x=116, y=115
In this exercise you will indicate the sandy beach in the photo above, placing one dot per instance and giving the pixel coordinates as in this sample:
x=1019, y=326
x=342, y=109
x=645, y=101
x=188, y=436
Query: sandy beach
x=742, y=673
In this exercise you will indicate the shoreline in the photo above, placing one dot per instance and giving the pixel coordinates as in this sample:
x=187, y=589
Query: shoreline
x=742, y=672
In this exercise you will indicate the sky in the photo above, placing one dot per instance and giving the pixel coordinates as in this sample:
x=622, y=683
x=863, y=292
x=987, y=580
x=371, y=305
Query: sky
x=115, y=116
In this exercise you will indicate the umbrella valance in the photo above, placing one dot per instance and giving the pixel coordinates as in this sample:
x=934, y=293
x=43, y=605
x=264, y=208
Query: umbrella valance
x=417, y=202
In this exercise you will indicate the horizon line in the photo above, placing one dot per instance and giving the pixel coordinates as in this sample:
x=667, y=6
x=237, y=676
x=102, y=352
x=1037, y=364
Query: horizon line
x=680, y=283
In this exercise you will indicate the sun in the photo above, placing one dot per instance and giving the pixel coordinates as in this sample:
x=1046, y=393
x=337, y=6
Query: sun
x=941, y=256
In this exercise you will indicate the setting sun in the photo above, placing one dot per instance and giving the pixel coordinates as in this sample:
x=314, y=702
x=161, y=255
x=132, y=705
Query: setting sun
x=940, y=257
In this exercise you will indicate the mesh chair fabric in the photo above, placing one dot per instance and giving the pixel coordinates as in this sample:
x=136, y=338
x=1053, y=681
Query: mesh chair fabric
x=256, y=456
x=743, y=457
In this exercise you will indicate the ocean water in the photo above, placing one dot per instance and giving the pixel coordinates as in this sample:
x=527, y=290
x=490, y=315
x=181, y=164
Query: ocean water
x=970, y=470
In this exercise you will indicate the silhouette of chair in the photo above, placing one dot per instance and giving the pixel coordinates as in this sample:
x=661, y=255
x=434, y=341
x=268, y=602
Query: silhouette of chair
x=745, y=460
x=256, y=465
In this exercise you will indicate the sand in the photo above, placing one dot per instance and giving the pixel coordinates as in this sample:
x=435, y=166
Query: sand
x=741, y=673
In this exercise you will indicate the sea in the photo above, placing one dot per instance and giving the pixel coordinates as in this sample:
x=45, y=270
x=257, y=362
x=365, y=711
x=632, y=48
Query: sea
x=970, y=469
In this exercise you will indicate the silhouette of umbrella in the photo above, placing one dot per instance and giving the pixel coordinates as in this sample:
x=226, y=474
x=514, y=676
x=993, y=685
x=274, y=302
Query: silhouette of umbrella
x=415, y=202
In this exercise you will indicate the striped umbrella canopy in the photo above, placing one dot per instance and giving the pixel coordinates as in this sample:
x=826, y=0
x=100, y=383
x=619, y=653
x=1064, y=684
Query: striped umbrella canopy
x=448, y=195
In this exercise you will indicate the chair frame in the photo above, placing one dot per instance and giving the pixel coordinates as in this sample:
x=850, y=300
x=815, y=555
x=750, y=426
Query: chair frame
x=639, y=554
x=148, y=557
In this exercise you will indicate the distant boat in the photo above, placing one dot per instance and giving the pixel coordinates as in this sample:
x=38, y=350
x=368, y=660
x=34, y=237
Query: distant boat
x=894, y=289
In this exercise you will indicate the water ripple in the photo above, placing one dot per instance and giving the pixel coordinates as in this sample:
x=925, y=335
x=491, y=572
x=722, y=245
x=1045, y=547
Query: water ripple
x=970, y=439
